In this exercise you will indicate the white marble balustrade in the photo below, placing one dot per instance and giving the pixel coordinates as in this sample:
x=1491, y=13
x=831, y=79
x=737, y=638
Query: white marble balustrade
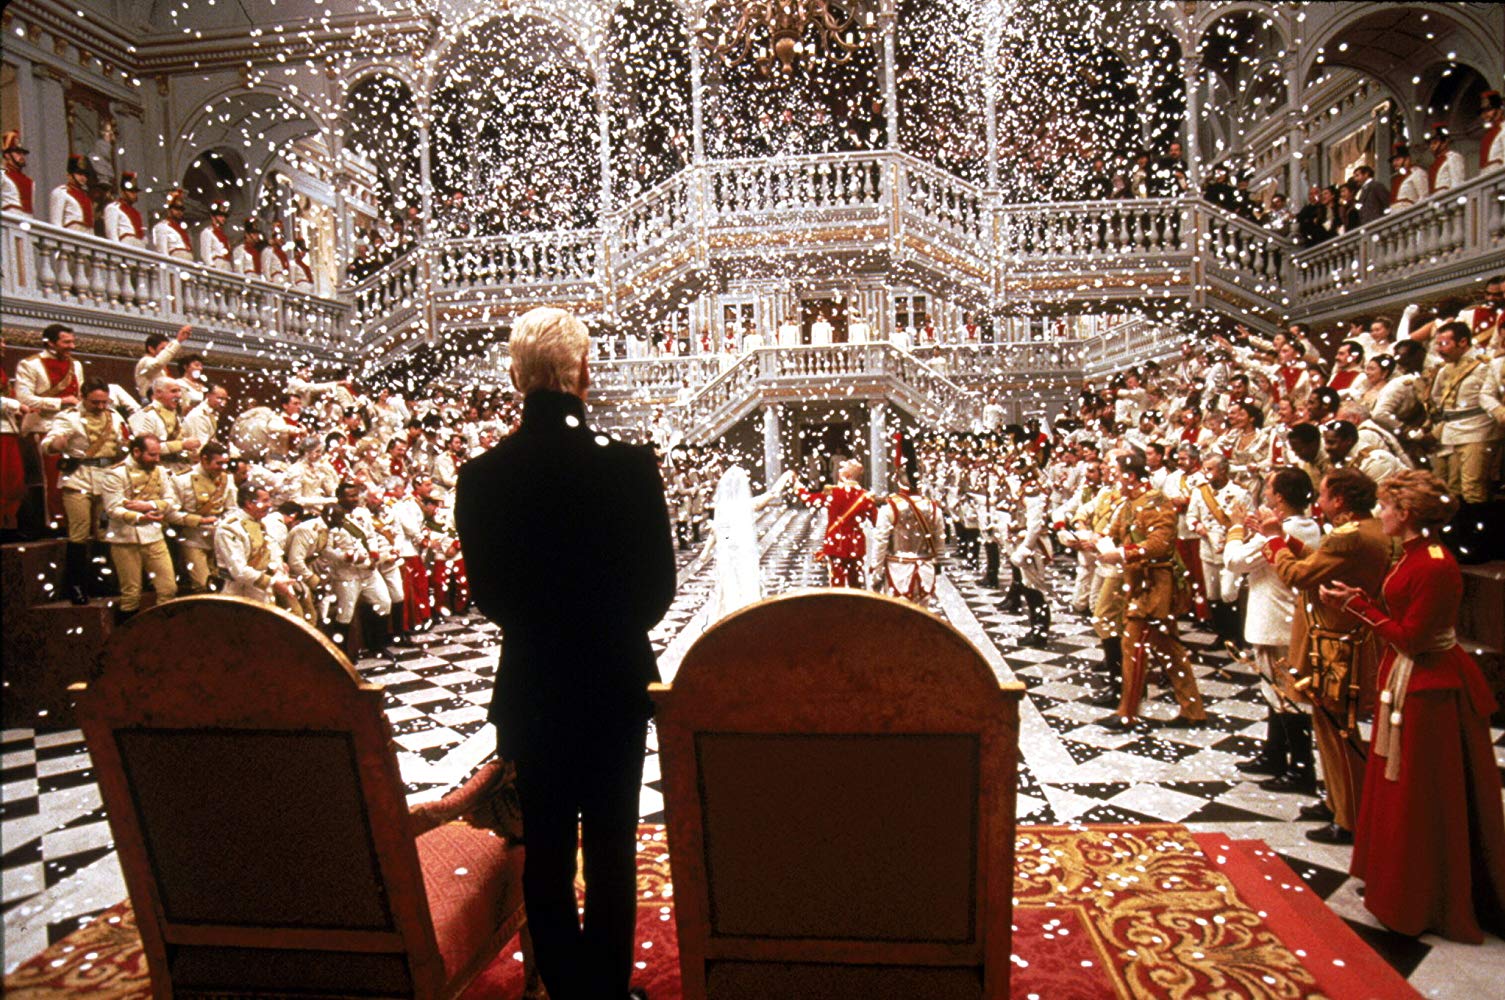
x=108, y=287
x=1450, y=228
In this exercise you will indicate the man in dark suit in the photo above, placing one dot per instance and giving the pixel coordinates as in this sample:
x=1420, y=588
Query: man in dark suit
x=1371, y=200
x=567, y=546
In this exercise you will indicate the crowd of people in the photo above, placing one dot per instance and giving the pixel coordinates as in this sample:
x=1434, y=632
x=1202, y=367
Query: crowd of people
x=80, y=204
x=1300, y=512
x=330, y=503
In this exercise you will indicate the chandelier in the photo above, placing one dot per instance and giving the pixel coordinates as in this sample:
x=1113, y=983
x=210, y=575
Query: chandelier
x=772, y=33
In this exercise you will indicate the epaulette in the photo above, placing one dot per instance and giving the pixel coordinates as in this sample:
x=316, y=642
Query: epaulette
x=1344, y=528
x=1436, y=552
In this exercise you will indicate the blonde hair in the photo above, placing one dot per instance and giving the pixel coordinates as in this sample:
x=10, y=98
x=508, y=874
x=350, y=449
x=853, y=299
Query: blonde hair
x=548, y=346
x=851, y=469
x=1422, y=495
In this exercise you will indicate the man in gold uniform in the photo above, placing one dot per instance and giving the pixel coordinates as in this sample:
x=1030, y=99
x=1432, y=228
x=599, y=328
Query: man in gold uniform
x=1334, y=659
x=1144, y=539
x=90, y=438
x=205, y=494
x=138, y=500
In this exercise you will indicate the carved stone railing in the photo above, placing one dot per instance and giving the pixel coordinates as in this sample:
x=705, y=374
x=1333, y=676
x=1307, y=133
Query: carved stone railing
x=652, y=378
x=1135, y=342
x=836, y=372
x=1450, y=238
x=1120, y=234
x=975, y=365
x=101, y=286
x=754, y=189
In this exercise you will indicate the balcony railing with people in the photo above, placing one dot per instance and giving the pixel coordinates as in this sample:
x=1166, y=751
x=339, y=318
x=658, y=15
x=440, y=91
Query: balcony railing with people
x=106, y=287
x=1459, y=234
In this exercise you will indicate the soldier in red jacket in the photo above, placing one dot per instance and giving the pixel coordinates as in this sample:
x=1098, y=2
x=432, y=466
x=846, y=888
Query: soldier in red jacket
x=847, y=505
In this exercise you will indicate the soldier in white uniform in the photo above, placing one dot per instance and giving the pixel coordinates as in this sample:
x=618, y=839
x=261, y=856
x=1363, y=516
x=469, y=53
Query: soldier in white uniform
x=205, y=495
x=1072, y=523
x=1031, y=552
x=138, y=500
x=275, y=266
x=1409, y=183
x=90, y=438
x=170, y=236
x=353, y=576
x=70, y=206
x=202, y=422
x=15, y=186
x=1466, y=432
x=908, y=536
x=1447, y=170
x=249, y=259
x=1215, y=506
x=161, y=421
x=214, y=242
x=302, y=274
x=249, y=561
x=1271, y=610
x=447, y=465
x=122, y=219
x=46, y=383
x=306, y=542
x=159, y=352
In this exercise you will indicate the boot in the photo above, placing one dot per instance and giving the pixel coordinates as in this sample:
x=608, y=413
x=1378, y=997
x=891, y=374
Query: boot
x=77, y=570
x=1016, y=587
x=1274, y=757
x=400, y=636
x=1113, y=666
x=373, y=630
x=680, y=536
x=1301, y=772
x=990, y=575
x=695, y=533
x=1034, y=602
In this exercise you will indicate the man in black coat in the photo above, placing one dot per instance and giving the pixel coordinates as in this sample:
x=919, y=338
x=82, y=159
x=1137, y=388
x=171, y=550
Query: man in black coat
x=1371, y=200
x=567, y=548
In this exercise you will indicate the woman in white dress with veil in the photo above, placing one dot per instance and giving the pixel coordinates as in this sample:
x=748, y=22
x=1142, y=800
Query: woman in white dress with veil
x=734, y=542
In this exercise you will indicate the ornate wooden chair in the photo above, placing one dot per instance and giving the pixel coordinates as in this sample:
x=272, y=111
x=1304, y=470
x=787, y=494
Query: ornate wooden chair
x=839, y=778
x=252, y=789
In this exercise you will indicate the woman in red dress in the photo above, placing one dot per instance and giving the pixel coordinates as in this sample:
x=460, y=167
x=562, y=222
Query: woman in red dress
x=1430, y=843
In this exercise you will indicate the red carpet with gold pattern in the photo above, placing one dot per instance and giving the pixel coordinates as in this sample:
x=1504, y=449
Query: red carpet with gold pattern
x=1147, y=910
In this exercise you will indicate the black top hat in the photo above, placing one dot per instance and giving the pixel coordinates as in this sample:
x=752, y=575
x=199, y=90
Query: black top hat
x=11, y=142
x=128, y=181
x=219, y=208
x=77, y=164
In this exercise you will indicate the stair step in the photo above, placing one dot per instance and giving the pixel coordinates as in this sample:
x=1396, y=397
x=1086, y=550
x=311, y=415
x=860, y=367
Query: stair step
x=33, y=572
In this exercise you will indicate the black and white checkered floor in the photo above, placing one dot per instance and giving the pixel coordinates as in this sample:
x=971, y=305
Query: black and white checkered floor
x=58, y=867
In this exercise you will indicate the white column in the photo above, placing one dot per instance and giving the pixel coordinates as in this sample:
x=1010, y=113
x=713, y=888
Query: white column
x=425, y=176
x=990, y=49
x=889, y=25
x=603, y=117
x=1189, y=72
x=877, y=425
x=697, y=105
x=773, y=456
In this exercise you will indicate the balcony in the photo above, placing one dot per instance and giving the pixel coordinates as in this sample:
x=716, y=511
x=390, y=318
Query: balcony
x=97, y=286
x=878, y=215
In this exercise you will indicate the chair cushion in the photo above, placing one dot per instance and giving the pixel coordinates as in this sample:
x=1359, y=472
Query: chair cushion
x=473, y=881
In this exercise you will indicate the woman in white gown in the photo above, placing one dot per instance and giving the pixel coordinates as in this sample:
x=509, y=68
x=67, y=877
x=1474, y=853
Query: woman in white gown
x=734, y=541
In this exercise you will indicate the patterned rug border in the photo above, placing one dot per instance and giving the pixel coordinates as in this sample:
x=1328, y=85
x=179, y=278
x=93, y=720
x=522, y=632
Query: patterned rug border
x=1163, y=916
